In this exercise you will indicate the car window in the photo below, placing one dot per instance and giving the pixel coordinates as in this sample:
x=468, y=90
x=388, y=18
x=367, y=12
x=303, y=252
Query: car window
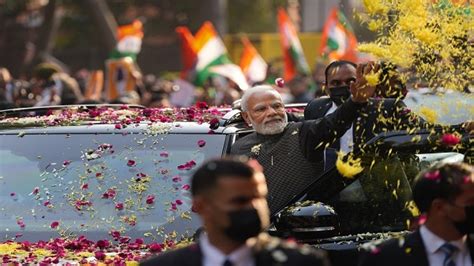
x=449, y=108
x=381, y=198
x=91, y=185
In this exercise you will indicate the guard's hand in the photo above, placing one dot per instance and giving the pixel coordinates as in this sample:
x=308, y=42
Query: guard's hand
x=469, y=126
x=360, y=89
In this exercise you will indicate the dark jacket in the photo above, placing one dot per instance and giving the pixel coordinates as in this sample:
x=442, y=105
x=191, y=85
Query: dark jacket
x=300, y=146
x=379, y=115
x=267, y=251
x=407, y=251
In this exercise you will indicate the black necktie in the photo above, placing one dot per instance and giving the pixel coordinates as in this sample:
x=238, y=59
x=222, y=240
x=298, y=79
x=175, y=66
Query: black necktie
x=227, y=262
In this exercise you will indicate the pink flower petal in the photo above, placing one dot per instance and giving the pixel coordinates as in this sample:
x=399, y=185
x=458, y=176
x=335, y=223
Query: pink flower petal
x=130, y=163
x=435, y=175
x=119, y=206
x=150, y=199
x=280, y=82
x=449, y=139
x=54, y=224
x=201, y=143
x=467, y=179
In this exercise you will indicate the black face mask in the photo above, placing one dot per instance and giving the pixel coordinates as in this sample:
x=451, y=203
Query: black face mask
x=244, y=224
x=466, y=226
x=339, y=94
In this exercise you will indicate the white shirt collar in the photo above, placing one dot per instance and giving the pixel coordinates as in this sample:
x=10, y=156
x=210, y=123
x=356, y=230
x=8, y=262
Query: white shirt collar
x=433, y=242
x=213, y=256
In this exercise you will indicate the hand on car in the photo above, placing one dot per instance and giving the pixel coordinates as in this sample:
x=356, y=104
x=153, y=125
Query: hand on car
x=360, y=89
x=469, y=126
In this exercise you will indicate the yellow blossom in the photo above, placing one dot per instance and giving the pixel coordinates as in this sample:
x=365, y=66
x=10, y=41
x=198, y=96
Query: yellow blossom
x=350, y=168
x=42, y=252
x=375, y=25
x=375, y=6
x=411, y=22
x=372, y=78
x=411, y=206
x=429, y=114
x=426, y=36
x=374, y=49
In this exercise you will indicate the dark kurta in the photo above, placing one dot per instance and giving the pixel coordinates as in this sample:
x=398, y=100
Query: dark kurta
x=294, y=158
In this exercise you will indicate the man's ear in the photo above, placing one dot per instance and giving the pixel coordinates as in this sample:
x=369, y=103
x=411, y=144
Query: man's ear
x=199, y=204
x=437, y=206
x=245, y=116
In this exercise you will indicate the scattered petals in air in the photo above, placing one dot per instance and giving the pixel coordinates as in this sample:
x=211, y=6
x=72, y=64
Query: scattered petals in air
x=422, y=219
x=280, y=82
x=131, y=163
x=428, y=37
x=348, y=167
x=429, y=114
x=412, y=208
x=372, y=78
x=450, y=139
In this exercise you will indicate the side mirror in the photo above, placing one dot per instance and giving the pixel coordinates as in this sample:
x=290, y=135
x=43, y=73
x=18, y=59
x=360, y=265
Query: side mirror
x=307, y=220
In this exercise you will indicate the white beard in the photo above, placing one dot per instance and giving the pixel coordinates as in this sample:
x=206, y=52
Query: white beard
x=270, y=129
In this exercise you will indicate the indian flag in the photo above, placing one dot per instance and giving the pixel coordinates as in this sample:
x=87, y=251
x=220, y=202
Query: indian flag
x=188, y=51
x=129, y=40
x=209, y=56
x=295, y=61
x=121, y=75
x=338, y=40
x=121, y=71
x=251, y=63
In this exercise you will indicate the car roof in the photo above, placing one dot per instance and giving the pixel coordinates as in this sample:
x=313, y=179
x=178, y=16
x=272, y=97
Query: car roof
x=78, y=119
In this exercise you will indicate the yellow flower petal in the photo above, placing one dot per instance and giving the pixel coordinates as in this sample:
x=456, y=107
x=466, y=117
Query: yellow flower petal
x=349, y=168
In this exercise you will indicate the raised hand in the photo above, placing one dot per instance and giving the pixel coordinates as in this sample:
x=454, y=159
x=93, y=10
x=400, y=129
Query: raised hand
x=361, y=90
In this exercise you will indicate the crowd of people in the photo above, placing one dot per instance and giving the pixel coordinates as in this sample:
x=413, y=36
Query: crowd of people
x=51, y=84
x=231, y=195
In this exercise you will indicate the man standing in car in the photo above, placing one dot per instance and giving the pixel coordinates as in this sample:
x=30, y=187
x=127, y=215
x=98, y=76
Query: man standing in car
x=379, y=115
x=445, y=196
x=230, y=198
x=292, y=152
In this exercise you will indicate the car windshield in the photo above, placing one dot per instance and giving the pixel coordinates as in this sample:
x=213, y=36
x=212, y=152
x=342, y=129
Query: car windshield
x=98, y=184
x=448, y=108
x=381, y=197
